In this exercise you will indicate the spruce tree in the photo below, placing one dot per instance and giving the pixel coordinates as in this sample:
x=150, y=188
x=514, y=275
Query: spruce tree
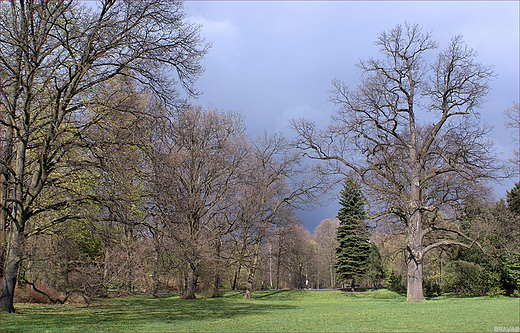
x=512, y=199
x=353, y=251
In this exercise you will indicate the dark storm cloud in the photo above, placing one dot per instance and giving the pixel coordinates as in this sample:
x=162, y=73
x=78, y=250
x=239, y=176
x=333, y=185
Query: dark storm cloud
x=274, y=61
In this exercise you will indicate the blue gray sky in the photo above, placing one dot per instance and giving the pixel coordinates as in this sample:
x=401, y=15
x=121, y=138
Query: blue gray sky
x=273, y=61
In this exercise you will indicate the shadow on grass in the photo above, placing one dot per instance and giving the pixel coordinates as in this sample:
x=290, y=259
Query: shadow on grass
x=453, y=296
x=378, y=294
x=111, y=314
x=269, y=293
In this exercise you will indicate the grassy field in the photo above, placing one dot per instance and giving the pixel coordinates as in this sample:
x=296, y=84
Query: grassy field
x=271, y=311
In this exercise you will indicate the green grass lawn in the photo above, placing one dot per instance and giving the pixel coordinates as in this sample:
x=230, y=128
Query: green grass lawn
x=271, y=311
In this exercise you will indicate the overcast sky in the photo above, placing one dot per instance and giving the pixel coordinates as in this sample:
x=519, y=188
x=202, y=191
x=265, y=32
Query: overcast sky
x=273, y=61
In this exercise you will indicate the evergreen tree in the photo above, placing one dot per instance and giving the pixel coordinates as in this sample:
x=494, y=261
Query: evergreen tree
x=353, y=251
x=512, y=198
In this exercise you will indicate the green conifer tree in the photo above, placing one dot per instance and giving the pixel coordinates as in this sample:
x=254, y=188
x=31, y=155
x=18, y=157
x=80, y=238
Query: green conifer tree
x=512, y=199
x=353, y=251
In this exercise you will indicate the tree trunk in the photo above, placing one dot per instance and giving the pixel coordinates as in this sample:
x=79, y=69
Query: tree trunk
x=278, y=260
x=105, y=265
x=270, y=268
x=157, y=250
x=184, y=286
x=6, y=156
x=415, y=277
x=415, y=264
x=278, y=264
x=237, y=275
x=216, y=277
x=191, y=283
x=249, y=286
x=156, y=282
x=251, y=275
x=15, y=242
x=332, y=279
x=414, y=259
x=216, y=286
x=11, y=268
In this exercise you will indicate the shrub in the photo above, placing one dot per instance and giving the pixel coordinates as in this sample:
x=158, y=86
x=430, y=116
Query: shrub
x=467, y=278
x=394, y=282
x=431, y=289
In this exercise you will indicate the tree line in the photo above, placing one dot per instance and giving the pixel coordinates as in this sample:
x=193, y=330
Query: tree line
x=111, y=177
x=113, y=180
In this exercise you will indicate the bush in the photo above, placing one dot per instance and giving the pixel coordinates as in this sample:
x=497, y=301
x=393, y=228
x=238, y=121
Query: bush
x=394, y=282
x=510, y=269
x=468, y=279
x=431, y=289
x=495, y=291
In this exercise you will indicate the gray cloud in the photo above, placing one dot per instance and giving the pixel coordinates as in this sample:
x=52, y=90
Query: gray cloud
x=273, y=61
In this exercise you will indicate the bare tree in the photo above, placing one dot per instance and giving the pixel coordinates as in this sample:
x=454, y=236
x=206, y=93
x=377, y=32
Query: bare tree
x=194, y=179
x=325, y=236
x=279, y=248
x=413, y=168
x=512, y=116
x=278, y=179
x=53, y=57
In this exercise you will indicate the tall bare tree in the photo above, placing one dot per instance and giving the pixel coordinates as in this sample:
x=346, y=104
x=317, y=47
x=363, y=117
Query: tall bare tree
x=512, y=117
x=195, y=176
x=53, y=57
x=325, y=236
x=410, y=131
x=278, y=180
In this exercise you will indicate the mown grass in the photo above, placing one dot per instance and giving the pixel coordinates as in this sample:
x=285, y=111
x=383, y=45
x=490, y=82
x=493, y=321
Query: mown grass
x=271, y=311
